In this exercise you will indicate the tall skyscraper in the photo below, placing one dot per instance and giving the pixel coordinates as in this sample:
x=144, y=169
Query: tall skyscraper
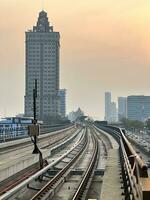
x=122, y=106
x=113, y=113
x=138, y=107
x=62, y=102
x=107, y=106
x=42, y=63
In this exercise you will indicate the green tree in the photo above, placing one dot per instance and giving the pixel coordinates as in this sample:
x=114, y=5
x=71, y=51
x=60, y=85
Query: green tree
x=147, y=124
x=132, y=124
x=138, y=124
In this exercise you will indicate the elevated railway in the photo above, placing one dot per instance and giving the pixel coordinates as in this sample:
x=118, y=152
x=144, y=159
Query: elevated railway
x=81, y=168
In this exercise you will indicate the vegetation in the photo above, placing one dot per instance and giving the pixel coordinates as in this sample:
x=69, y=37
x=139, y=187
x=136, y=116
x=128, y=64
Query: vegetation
x=147, y=124
x=132, y=124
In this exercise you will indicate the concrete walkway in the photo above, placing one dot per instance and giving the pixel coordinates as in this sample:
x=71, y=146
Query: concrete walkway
x=111, y=187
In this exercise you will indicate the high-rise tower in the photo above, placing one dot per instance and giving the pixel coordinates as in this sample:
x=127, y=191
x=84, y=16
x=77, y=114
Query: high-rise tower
x=107, y=106
x=42, y=63
x=122, y=106
x=138, y=107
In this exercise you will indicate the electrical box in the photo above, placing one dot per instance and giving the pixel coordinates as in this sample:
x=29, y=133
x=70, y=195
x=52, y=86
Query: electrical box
x=33, y=130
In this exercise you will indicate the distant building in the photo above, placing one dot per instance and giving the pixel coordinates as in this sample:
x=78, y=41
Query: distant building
x=108, y=106
x=122, y=107
x=113, y=115
x=15, y=121
x=62, y=102
x=12, y=127
x=138, y=107
x=42, y=63
x=75, y=115
x=71, y=116
x=20, y=115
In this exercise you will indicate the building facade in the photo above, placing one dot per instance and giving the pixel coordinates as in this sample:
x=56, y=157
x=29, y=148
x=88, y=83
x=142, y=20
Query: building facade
x=107, y=106
x=113, y=114
x=42, y=64
x=138, y=107
x=62, y=102
x=75, y=115
x=122, y=107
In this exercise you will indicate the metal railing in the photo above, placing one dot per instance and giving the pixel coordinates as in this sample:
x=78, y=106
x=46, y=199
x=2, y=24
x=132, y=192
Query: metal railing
x=136, y=182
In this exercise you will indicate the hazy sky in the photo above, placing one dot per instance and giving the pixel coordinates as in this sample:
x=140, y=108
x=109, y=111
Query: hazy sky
x=105, y=46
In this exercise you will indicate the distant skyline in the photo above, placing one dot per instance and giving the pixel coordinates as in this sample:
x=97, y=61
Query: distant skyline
x=105, y=46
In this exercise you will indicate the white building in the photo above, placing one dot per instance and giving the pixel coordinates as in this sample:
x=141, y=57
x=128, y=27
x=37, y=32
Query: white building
x=113, y=117
x=42, y=63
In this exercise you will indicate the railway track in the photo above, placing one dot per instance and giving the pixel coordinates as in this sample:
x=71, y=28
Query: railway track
x=29, y=175
x=16, y=179
x=49, y=182
x=22, y=133
x=23, y=143
x=48, y=191
x=86, y=180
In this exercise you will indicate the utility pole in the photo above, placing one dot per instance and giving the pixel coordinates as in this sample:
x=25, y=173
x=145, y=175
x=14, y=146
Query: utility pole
x=34, y=128
x=36, y=150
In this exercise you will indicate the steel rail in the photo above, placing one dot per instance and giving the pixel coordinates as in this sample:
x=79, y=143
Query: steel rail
x=82, y=186
x=27, y=141
x=46, y=128
x=52, y=140
x=35, y=168
x=22, y=133
x=50, y=184
x=25, y=183
x=102, y=140
x=104, y=135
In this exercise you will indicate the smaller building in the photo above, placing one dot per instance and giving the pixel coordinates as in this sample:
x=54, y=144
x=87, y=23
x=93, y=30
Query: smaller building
x=75, y=115
x=62, y=102
x=13, y=127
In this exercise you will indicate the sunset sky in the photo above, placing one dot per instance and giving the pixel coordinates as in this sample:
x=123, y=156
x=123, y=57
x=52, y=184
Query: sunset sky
x=105, y=46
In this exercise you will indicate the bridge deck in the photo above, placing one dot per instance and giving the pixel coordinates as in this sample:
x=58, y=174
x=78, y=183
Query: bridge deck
x=111, y=188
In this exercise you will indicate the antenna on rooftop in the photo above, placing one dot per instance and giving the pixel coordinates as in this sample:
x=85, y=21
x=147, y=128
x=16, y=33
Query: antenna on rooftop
x=42, y=4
